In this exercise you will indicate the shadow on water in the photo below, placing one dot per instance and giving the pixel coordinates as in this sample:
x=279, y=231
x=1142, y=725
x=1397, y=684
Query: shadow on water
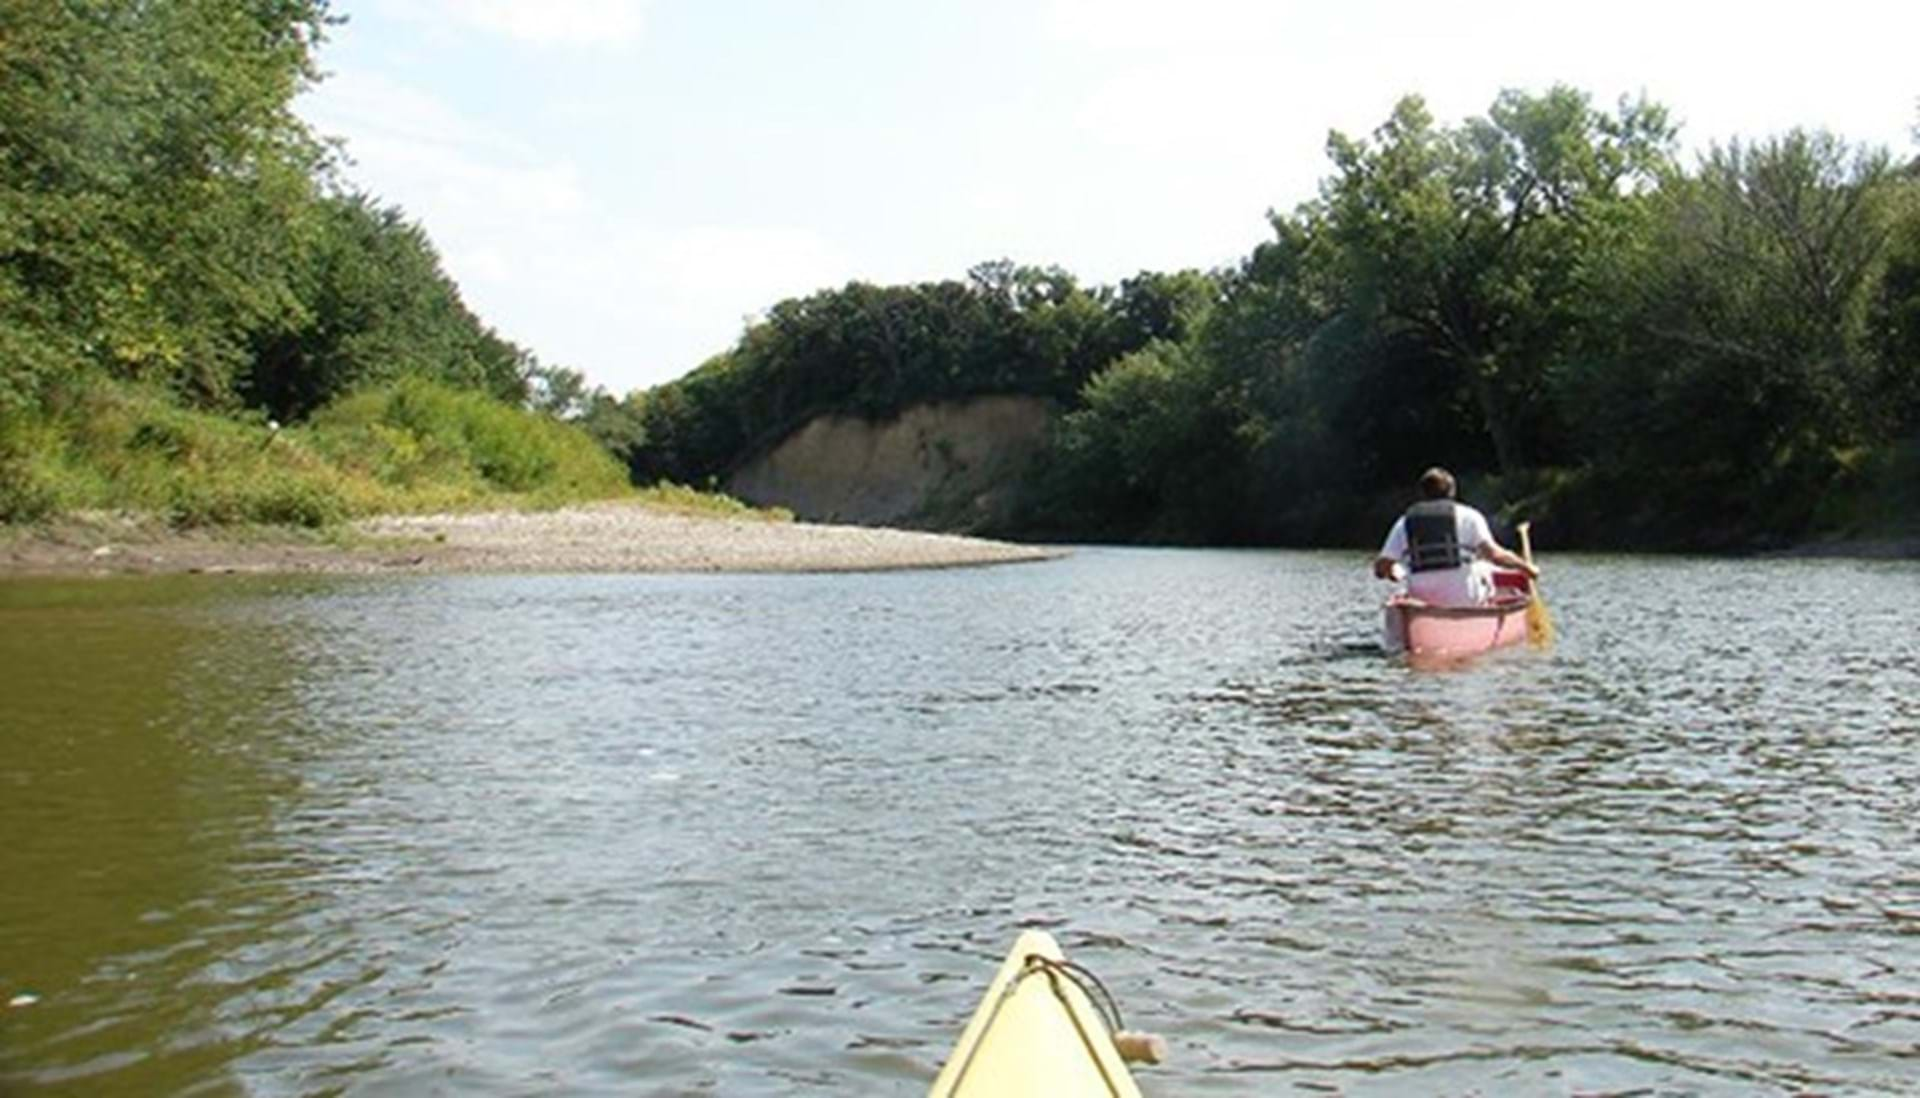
x=139, y=791
x=1346, y=650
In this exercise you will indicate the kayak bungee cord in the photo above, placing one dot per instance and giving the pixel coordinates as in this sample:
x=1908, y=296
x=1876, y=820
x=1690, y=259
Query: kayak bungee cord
x=1088, y=984
x=1081, y=977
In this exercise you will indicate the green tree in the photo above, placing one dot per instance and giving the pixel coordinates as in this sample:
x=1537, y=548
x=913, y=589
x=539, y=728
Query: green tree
x=1742, y=365
x=1153, y=452
x=1470, y=241
x=873, y=351
x=617, y=424
x=558, y=391
x=152, y=173
x=1152, y=306
x=372, y=304
x=1896, y=312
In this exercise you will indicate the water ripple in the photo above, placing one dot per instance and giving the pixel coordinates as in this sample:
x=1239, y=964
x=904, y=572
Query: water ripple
x=759, y=835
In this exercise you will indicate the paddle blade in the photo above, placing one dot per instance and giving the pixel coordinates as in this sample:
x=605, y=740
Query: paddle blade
x=1539, y=621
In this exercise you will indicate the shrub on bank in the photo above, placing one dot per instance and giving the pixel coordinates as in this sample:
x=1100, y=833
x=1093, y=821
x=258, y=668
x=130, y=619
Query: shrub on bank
x=27, y=492
x=669, y=496
x=417, y=436
x=407, y=446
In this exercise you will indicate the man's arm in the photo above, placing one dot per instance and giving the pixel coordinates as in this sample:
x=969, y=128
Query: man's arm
x=1507, y=558
x=1480, y=536
x=1391, y=552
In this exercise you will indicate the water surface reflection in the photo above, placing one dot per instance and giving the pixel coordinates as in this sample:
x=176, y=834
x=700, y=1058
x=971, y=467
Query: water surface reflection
x=762, y=834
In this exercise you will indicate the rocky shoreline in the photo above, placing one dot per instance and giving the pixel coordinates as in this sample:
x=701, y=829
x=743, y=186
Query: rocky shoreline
x=604, y=537
x=607, y=537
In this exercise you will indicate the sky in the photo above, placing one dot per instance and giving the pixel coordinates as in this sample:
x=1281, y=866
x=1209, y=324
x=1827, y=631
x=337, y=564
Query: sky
x=620, y=186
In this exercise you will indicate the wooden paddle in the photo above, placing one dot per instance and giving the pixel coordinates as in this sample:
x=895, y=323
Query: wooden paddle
x=1539, y=621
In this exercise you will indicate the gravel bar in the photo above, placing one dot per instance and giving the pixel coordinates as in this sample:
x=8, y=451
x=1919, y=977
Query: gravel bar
x=605, y=537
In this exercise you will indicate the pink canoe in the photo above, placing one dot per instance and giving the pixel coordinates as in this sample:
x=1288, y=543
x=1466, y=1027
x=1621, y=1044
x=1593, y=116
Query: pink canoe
x=1423, y=631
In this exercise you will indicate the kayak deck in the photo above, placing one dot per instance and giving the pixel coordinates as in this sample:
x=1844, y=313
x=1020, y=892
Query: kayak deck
x=1035, y=1033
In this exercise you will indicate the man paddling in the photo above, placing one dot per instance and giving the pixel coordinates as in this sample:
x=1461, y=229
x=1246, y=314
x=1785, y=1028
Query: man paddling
x=1445, y=548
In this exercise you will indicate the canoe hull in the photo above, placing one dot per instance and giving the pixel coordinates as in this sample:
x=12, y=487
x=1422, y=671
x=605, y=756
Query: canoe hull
x=1423, y=631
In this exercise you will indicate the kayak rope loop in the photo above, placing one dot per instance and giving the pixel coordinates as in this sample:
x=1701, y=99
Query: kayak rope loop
x=1090, y=987
x=1089, y=984
x=1082, y=980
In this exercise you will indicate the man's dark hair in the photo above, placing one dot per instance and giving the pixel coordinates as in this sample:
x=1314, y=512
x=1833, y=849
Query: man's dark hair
x=1436, y=483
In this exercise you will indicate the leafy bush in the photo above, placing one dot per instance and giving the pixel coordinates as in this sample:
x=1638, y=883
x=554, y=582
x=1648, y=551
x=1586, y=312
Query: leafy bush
x=278, y=498
x=1143, y=456
x=669, y=496
x=414, y=433
x=409, y=446
x=26, y=493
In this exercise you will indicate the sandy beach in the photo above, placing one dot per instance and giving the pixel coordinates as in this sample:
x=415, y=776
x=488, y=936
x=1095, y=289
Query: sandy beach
x=607, y=537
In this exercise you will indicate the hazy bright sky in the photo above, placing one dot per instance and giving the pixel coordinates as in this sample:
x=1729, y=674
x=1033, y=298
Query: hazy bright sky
x=618, y=184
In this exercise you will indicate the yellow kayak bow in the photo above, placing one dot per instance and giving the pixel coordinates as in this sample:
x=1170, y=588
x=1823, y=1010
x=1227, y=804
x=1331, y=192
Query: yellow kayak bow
x=1037, y=1032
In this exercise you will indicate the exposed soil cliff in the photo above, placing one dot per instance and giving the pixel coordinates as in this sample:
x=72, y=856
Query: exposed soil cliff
x=946, y=466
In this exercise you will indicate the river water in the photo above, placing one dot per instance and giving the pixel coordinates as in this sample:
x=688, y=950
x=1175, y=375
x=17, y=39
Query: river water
x=757, y=835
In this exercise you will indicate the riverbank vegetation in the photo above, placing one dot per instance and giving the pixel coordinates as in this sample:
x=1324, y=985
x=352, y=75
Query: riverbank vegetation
x=1632, y=350
x=875, y=350
x=406, y=446
x=200, y=319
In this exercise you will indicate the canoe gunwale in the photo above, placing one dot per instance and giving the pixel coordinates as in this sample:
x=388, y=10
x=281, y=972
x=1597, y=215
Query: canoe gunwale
x=1481, y=610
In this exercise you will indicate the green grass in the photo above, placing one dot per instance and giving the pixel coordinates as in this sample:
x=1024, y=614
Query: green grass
x=668, y=496
x=409, y=446
x=421, y=446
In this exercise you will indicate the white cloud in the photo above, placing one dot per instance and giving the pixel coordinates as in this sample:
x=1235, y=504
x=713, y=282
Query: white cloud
x=554, y=264
x=411, y=148
x=591, y=23
x=367, y=107
x=607, y=226
x=659, y=300
x=761, y=263
x=1151, y=25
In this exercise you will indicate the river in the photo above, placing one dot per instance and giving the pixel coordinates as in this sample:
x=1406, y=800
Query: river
x=758, y=835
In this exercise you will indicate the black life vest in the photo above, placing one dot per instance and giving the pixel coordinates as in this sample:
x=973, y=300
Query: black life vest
x=1433, y=537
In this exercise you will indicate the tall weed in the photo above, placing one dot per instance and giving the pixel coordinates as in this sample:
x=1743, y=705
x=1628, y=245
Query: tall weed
x=414, y=433
x=406, y=446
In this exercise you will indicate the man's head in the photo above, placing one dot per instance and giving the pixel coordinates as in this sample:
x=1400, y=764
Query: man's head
x=1436, y=483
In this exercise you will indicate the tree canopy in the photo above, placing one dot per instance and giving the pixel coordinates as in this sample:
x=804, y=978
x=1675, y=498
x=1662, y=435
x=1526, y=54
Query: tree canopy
x=872, y=350
x=165, y=218
x=1544, y=297
x=181, y=261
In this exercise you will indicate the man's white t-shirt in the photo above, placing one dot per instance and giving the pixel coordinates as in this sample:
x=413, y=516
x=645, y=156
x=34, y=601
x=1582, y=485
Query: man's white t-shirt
x=1465, y=586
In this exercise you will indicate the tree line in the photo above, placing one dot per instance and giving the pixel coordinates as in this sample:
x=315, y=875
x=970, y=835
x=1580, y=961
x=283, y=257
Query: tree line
x=1632, y=349
x=874, y=350
x=1644, y=352
x=173, y=237
x=168, y=219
